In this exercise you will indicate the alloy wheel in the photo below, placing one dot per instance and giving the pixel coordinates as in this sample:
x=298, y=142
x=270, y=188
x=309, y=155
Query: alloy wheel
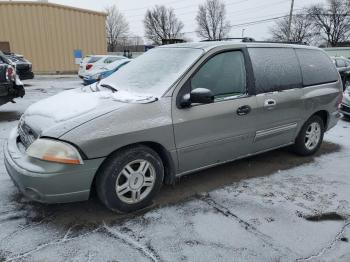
x=135, y=181
x=313, y=136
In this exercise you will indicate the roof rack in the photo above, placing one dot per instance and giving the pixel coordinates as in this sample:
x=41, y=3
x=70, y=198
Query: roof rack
x=244, y=39
x=250, y=39
x=283, y=42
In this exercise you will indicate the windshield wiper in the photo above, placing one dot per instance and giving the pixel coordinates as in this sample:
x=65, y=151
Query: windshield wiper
x=110, y=87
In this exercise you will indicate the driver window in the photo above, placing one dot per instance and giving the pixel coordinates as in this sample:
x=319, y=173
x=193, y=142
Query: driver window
x=224, y=74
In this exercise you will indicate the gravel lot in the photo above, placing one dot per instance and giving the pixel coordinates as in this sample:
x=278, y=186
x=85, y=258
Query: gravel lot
x=272, y=207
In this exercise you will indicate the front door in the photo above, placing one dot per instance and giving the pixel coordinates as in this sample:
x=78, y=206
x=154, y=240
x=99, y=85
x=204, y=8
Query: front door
x=207, y=134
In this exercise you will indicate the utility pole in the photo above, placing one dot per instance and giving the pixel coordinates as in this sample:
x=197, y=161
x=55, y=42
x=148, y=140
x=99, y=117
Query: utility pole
x=243, y=30
x=290, y=20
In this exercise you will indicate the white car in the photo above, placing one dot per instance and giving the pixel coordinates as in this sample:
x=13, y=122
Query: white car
x=101, y=73
x=96, y=62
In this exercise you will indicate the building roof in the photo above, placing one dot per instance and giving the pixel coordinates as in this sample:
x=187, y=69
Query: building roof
x=37, y=3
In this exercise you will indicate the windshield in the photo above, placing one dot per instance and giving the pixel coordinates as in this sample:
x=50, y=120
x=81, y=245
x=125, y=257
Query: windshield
x=155, y=71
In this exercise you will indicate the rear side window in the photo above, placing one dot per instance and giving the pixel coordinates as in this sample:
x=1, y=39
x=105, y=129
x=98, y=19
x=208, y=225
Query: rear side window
x=317, y=68
x=94, y=59
x=275, y=69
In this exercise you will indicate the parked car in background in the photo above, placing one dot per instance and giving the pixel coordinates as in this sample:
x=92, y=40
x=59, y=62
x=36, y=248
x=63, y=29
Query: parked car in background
x=10, y=86
x=22, y=65
x=104, y=72
x=172, y=111
x=95, y=62
x=343, y=66
x=345, y=105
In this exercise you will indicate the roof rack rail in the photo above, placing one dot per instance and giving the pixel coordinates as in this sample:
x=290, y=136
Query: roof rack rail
x=250, y=39
x=244, y=39
x=283, y=42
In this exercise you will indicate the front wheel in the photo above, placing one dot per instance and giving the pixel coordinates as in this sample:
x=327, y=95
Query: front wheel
x=129, y=179
x=310, y=137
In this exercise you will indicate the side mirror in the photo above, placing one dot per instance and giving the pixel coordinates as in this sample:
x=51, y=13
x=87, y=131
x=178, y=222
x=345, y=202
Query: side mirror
x=197, y=96
x=202, y=96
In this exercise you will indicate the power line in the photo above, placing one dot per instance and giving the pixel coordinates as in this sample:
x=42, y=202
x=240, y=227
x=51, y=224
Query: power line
x=168, y=3
x=264, y=21
x=186, y=7
x=241, y=12
x=260, y=7
x=250, y=23
x=146, y=7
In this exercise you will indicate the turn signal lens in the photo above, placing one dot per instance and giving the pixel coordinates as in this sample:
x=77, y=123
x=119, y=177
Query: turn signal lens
x=54, y=151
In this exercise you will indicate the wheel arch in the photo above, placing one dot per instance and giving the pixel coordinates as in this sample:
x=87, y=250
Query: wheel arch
x=324, y=115
x=164, y=154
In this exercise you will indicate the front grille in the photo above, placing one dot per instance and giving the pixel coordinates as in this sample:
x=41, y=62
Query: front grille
x=26, y=134
x=345, y=108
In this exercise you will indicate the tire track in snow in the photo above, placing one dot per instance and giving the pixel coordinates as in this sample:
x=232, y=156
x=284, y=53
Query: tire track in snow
x=248, y=227
x=62, y=240
x=328, y=247
x=148, y=252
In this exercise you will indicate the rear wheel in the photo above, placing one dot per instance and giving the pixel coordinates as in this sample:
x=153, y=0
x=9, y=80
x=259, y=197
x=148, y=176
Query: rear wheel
x=310, y=137
x=129, y=179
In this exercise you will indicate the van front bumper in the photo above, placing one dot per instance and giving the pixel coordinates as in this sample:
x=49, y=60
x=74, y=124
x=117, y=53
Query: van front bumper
x=48, y=182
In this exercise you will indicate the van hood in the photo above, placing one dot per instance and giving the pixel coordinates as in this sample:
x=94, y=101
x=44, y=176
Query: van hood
x=57, y=115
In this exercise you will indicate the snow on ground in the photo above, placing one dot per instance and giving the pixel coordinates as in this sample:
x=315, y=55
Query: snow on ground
x=283, y=213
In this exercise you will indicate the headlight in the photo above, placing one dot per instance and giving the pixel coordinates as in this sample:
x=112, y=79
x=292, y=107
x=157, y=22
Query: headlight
x=54, y=151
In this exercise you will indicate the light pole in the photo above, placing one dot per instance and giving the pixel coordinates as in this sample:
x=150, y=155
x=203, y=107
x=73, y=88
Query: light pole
x=243, y=30
x=290, y=21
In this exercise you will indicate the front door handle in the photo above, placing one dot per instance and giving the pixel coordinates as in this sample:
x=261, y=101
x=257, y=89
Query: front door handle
x=244, y=110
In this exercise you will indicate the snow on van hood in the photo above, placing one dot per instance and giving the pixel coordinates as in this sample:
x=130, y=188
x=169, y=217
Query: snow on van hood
x=71, y=108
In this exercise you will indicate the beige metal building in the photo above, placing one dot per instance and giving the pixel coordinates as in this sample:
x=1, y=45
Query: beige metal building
x=51, y=36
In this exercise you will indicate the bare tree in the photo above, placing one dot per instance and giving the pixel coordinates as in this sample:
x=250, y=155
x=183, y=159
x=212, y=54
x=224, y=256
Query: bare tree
x=117, y=27
x=161, y=23
x=211, y=20
x=333, y=21
x=302, y=29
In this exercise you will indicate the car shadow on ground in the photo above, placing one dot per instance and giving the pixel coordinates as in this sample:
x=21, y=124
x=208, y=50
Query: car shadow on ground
x=92, y=213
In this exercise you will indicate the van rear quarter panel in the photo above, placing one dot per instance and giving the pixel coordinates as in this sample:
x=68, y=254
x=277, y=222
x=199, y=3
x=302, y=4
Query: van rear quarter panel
x=321, y=97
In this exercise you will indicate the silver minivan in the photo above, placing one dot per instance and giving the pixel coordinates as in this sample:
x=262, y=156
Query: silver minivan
x=173, y=111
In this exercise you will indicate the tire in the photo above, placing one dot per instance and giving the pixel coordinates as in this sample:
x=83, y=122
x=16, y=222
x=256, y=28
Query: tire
x=310, y=137
x=129, y=179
